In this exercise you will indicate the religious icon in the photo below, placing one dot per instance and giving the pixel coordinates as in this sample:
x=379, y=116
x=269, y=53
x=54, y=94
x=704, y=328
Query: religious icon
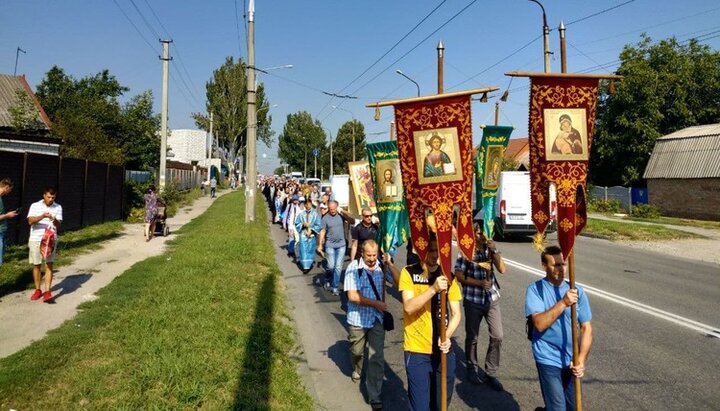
x=493, y=167
x=389, y=182
x=362, y=184
x=565, y=134
x=438, y=154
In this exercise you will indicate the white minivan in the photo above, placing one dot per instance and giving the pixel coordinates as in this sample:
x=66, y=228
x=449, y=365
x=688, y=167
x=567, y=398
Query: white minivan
x=513, y=210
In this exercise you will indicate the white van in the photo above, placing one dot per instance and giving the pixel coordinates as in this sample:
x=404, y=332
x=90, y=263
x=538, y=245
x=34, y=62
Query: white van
x=313, y=181
x=513, y=210
x=296, y=175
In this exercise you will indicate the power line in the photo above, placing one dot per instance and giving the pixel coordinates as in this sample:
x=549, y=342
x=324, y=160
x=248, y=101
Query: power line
x=386, y=53
x=142, y=16
x=237, y=29
x=599, y=12
x=136, y=27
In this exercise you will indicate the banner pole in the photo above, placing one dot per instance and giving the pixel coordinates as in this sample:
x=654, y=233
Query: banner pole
x=573, y=322
x=443, y=356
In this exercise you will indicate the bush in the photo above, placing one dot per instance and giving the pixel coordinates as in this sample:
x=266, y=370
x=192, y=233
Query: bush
x=645, y=211
x=602, y=206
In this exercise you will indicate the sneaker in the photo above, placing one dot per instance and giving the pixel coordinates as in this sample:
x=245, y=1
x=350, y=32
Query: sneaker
x=376, y=405
x=47, y=297
x=36, y=295
x=473, y=376
x=335, y=291
x=327, y=286
x=355, y=376
x=493, y=383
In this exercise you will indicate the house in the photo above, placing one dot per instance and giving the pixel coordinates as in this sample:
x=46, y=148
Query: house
x=35, y=138
x=188, y=145
x=683, y=173
x=518, y=150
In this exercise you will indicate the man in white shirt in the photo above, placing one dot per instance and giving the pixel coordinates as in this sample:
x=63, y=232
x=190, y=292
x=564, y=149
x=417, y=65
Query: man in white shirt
x=43, y=214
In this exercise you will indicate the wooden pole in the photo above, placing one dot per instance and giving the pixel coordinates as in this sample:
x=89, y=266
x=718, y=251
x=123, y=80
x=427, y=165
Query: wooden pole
x=443, y=294
x=573, y=325
x=440, y=50
x=563, y=54
x=497, y=113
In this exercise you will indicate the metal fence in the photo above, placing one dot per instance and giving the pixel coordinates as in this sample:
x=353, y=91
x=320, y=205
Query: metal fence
x=183, y=179
x=627, y=196
x=89, y=192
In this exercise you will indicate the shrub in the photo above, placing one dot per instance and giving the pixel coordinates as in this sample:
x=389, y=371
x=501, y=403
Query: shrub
x=645, y=211
x=602, y=206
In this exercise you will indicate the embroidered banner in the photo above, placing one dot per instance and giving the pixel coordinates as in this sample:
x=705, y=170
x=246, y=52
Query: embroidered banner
x=389, y=195
x=488, y=165
x=562, y=119
x=434, y=139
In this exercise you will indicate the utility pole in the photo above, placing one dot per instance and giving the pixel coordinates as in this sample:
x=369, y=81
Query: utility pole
x=209, y=149
x=164, y=114
x=251, y=132
x=497, y=113
x=440, y=63
x=563, y=55
x=17, y=55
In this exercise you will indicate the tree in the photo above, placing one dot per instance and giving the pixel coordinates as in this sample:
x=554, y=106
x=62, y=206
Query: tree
x=24, y=114
x=343, y=145
x=667, y=86
x=226, y=96
x=301, y=134
x=88, y=117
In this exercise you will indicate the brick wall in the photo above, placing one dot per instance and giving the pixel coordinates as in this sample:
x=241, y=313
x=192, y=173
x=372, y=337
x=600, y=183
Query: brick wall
x=689, y=198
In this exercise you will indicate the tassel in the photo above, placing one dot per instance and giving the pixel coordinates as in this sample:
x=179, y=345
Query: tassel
x=539, y=242
x=377, y=112
x=611, y=87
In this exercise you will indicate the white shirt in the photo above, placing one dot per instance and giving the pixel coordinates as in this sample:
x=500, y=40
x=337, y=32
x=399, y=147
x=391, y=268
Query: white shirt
x=36, y=210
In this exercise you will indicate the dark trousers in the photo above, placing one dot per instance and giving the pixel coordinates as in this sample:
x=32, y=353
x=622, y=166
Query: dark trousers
x=474, y=314
x=423, y=376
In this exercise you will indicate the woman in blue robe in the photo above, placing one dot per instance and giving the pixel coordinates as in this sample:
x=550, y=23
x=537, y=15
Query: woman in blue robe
x=307, y=224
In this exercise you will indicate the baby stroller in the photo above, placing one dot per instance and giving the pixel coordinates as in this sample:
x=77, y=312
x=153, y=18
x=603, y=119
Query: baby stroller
x=161, y=227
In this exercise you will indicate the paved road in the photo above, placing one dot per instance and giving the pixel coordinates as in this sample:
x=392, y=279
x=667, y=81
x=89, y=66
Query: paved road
x=647, y=354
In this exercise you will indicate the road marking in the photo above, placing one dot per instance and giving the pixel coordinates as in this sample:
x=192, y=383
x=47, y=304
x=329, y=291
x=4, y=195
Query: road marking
x=655, y=312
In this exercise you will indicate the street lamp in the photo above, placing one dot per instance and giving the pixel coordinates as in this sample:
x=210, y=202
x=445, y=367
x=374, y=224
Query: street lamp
x=416, y=84
x=546, y=37
x=353, y=127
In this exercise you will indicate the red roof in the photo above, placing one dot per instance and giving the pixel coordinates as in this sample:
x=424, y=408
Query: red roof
x=516, y=147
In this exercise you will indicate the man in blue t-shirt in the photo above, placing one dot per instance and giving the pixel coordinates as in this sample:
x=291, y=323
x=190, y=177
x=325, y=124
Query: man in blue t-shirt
x=547, y=303
x=332, y=238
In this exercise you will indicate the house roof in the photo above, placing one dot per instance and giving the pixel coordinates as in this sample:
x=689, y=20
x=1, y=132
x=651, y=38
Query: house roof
x=692, y=152
x=516, y=147
x=8, y=98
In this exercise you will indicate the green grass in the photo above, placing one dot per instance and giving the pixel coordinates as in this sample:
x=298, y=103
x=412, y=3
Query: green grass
x=614, y=230
x=202, y=326
x=16, y=272
x=679, y=221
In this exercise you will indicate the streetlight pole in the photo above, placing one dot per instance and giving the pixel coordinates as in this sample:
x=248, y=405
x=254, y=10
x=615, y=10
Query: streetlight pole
x=546, y=37
x=331, y=151
x=353, y=127
x=251, y=136
x=164, y=112
x=416, y=84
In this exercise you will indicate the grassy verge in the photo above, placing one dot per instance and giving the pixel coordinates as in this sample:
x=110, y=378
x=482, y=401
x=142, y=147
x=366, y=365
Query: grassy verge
x=614, y=230
x=679, y=221
x=16, y=272
x=202, y=326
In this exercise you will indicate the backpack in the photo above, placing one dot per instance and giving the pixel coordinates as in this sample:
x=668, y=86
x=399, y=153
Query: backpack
x=529, y=327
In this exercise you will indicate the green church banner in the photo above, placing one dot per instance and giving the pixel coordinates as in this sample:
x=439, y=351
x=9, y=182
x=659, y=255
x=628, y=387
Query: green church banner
x=488, y=165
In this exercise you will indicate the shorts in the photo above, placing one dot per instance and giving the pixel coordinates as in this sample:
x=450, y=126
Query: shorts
x=35, y=257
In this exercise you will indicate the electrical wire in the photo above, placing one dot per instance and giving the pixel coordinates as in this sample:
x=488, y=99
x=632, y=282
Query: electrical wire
x=142, y=16
x=237, y=29
x=135, y=27
x=157, y=18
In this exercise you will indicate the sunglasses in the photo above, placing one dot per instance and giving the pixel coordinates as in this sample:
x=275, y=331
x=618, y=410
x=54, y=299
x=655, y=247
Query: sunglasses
x=367, y=216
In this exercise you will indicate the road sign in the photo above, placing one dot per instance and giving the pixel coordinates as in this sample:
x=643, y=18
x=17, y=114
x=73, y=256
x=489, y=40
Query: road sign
x=316, y=152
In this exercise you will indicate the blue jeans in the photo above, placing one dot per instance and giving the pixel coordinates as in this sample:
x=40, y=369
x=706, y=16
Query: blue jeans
x=2, y=246
x=335, y=257
x=558, y=387
x=423, y=376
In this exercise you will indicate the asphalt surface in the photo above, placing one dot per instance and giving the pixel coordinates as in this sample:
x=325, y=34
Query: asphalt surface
x=655, y=325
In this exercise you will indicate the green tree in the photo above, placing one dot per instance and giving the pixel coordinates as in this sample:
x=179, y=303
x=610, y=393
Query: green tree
x=226, y=94
x=343, y=145
x=87, y=116
x=667, y=86
x=301, y=134
x=24, y=114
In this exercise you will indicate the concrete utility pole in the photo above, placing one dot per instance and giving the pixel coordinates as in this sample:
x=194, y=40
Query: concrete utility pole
x=209, y=149
x=546, y=37
x=164, y=115
x=251, y=130
x=440, y=63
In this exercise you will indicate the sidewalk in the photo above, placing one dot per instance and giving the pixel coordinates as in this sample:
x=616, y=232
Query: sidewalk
x=700, y=249
x=23, y=321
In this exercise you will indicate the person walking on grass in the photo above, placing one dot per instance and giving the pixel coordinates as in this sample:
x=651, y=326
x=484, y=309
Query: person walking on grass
x=6, y=186
x=213, y=187
x=42, y=215
x=481, y=299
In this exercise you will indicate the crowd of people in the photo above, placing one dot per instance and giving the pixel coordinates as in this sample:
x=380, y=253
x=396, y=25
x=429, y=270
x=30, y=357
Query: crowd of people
x=316, y=225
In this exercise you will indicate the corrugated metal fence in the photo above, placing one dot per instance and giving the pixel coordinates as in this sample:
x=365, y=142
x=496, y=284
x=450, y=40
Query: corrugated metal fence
x=89, y=192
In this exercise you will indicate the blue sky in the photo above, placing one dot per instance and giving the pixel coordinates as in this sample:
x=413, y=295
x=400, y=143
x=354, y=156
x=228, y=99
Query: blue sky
x=330, y=43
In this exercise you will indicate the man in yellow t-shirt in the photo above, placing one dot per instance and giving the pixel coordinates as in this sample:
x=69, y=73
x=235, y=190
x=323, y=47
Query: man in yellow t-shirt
x=420, y=285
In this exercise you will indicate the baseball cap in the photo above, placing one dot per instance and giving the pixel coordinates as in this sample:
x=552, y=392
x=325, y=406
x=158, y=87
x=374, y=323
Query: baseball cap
x=301, y=199
x=294, y=197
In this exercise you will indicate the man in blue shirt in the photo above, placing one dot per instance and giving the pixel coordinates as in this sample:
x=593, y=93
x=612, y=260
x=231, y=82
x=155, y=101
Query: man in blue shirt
x=547, y=303
x=366, y=308
x=332, y=237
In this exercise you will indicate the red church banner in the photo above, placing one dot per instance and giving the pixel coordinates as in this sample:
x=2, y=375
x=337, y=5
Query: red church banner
x=434, y=137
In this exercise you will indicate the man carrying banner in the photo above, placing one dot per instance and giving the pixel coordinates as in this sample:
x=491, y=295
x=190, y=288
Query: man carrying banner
x=547, y=303
x=421, y=286
x=481, y=299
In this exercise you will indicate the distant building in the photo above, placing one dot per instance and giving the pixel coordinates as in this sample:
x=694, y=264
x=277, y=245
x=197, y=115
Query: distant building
x=188, y=145
x=683, y=173
x=36, y=138
x=518, y=150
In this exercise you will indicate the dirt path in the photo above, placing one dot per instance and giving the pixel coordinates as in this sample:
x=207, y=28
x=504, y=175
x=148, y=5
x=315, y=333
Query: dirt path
x=23, y=321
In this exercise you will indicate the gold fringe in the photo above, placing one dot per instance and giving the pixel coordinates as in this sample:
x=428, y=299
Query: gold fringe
x=539, y=242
